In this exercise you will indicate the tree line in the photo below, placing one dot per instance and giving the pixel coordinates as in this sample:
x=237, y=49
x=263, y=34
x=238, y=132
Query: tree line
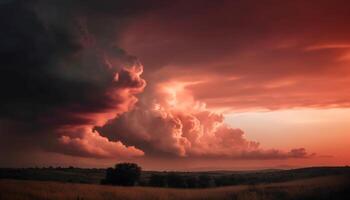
x=128, y=174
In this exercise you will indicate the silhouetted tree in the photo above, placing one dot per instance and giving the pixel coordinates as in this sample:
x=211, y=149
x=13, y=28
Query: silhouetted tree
x=125, y=174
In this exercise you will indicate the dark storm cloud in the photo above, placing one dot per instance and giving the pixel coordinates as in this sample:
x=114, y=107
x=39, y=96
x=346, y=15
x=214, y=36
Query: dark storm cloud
x=59, y=62
x=29, y=51
x=43, y=61
x=62, y=79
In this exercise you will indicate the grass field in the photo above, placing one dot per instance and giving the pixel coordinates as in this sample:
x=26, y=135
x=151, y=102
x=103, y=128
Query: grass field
x=220, y=178
x=329, y=187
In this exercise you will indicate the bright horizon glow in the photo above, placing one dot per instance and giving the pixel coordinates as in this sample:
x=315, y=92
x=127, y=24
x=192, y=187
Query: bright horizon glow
x=323, y=131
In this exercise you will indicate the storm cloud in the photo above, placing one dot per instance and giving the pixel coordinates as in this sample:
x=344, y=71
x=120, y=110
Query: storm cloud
x=69, y=85
x=60, y=77
x=174, y=124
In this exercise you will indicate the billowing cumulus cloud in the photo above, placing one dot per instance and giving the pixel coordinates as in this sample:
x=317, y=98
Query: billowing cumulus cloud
x=172, y=123
x=93, y=145
x=83, y=140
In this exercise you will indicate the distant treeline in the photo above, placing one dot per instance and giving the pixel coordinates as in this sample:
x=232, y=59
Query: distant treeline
x=171, y=179
x=213, y=179
x=60, y=174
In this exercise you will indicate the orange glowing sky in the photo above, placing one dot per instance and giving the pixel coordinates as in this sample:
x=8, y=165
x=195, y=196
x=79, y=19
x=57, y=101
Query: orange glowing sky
x=188, y=85
x=278, y=70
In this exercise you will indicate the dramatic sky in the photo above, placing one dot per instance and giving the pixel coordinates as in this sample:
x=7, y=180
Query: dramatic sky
x=175, y=85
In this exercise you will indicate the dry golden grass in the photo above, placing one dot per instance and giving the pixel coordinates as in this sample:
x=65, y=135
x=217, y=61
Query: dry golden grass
x=30, y=190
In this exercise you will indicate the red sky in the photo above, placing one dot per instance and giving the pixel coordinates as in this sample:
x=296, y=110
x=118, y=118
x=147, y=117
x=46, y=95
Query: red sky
x=278, y=70
x=187, y=85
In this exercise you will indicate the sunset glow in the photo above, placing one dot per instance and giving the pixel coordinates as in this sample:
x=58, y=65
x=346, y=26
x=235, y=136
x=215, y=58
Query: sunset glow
x=180, y=85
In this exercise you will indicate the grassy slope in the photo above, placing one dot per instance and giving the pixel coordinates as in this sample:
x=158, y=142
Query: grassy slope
x=330, y=187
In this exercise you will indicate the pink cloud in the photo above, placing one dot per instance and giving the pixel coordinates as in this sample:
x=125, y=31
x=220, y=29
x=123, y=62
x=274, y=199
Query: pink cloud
x=92, y=144
x=83, y=140
x=175, y=124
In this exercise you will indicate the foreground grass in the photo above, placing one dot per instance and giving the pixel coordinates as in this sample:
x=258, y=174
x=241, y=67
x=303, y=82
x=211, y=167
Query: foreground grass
x=332, y=187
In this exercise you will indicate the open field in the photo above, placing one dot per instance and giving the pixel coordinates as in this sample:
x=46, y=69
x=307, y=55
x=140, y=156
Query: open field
x=219, y=178
x=327, y=187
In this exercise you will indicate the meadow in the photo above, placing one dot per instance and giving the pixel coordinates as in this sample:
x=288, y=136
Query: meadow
x=216, y=178
x=327, y=187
